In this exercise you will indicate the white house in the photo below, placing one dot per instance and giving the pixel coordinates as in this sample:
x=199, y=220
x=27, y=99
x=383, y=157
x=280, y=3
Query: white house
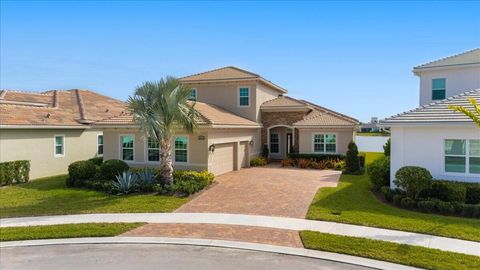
x=445, y=142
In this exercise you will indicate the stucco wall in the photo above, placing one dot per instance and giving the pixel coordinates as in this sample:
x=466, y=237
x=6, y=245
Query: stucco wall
x=424, y=147
x=344, y=137
x=282, y=142
x=458, y=80
x=38, y=147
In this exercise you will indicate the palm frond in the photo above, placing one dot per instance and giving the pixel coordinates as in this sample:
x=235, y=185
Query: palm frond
x=474, y=115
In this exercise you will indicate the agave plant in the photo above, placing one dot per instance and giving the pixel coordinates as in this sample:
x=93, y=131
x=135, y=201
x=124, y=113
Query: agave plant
x=126, y=182
x=147, y=177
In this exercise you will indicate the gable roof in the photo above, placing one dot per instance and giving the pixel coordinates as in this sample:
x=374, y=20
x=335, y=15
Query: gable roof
x=283, y=101
x=470, y=57
x=228, y=74
x=318, y=118
x=209, y=115
x=67, y=108
x=437, y=112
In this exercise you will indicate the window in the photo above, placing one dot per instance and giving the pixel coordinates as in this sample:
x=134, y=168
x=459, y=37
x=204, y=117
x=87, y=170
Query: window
x=193, y=95
x=100, y=144
x=324, y=143
x=244, y=96
x=462, y=156
x=274, y=143
x=59, y=145
x=153, y=150
x=127, y=144
x=181, y=149
x=438, y=89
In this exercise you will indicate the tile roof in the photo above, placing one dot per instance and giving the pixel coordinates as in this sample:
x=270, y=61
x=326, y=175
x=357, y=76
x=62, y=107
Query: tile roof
x=318, y=118
x=465, y=58
x=437, y=112
x=283, y=101
x=210, y=115
x=226, y=74
x=74, y=108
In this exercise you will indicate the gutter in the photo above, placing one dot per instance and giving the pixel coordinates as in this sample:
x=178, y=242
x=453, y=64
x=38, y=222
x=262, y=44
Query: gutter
x=42, y=127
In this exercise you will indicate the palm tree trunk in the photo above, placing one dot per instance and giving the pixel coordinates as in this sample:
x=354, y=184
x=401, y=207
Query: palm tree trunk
x=166, y=167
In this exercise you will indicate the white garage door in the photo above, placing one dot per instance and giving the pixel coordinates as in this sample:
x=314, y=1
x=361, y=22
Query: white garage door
x=223, y=158
x=243, y=154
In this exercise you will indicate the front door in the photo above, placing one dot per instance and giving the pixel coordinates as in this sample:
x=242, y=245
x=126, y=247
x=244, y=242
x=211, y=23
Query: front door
x=289, y=143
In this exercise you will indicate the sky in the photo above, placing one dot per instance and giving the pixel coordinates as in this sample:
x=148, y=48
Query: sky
x=352, y=57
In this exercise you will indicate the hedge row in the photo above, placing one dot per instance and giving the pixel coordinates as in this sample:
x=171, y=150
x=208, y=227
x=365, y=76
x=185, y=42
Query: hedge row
x=17, y=171
x=317, y=157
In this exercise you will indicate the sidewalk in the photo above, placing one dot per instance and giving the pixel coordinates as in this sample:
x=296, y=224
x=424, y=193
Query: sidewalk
x=401, y=237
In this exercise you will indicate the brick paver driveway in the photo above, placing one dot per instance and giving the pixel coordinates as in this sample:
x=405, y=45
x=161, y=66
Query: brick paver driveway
x=270, y=191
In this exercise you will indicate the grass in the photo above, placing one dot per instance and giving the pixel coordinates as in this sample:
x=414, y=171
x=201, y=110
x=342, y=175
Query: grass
x=49, y=196
x=353, y=202
x=415, y=256
x=371, y=156
x=65, y=231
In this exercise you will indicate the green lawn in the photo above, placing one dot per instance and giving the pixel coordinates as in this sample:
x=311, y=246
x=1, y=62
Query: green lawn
x=392, y=252
x=371, y=156
x=65, y=231
x=353, y=202
x=49, y=196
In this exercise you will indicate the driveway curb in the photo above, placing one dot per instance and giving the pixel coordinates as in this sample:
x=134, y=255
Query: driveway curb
x=358, y=261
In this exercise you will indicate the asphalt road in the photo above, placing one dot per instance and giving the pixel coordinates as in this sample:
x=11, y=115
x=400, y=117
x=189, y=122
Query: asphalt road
x=144, y=256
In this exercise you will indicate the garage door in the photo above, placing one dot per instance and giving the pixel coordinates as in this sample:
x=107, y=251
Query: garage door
x=243, y=154
x=223, y=158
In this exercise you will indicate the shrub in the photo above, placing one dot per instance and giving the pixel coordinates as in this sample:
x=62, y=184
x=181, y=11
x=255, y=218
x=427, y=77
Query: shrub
x=413, y=180
x=352, y=163
x=127, y=182
x=147, y=178
x=471, y=210
x=111, y=168
x=190, y=182
x=258, y=161
x=288, y=162
x=304, y=163
x=397, y=199
x=265, y=151
x=386, y=147
x=316, y=157
x=379, y=172
x=408, y=203
x=426, y=206
x=96, y=160
x=387, y=193
x=472, y=193
x=445, y=208
x=447, y=191
x=79, y=171
x=361, y=159
x=17, y=171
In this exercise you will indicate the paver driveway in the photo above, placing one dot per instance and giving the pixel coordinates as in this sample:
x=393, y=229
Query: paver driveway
x=270, y=191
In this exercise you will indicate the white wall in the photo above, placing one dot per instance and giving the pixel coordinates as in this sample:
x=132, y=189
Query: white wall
x=424, y=147
x=458, y=80
x=371, y=143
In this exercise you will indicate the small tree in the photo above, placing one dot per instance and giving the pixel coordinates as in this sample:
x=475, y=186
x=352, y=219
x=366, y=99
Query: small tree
x=386, y=148
x=352, y=162
x=474, y=114
x=413, y=180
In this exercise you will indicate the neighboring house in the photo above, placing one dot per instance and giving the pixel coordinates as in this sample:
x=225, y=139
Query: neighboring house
x=239, y=113
x=372, y=126
x=52, y=129
x=445, y=142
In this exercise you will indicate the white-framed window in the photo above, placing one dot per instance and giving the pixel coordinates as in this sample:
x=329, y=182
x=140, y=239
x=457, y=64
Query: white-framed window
x=59, y=145
x=244, y=97
x=181, y=149
x=153, y=150
x=193, y=95
x=100, y=145
x=127, y=147
x=462, y=156
x=324, y=143
x=274, y=143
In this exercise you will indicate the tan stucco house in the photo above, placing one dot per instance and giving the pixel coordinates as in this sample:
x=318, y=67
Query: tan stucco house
x=240, y=112
x=52, y=129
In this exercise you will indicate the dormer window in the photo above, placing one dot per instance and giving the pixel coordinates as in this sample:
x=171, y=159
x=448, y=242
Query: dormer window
x=244, y=97
x=438, y=89
x=193, y=95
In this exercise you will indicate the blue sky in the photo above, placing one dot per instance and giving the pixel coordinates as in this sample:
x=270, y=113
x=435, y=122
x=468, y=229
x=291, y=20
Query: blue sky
x=354, y=57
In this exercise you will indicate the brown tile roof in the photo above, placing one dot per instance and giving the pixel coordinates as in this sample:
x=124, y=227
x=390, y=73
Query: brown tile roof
x=74, y=108
x=318, y=118
x=226, y=74
x=283, y=101
x=210, y=115
x=466, y=58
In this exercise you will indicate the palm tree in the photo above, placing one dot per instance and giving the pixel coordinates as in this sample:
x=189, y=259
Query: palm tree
x=160, y=108
x=474, y=115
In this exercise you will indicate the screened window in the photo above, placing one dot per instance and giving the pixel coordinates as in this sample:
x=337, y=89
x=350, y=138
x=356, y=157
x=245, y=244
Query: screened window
x=153, y=150
x=181, y=149
x=274, y=143
x=100, y=145
x=462, y=156
x=438, y=89
x=59, y=145
x=325, y=143
x=244, y=96
x=127, y=144
x=193, y=95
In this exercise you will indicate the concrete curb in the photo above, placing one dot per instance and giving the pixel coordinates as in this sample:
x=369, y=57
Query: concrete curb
x=296, y=224
x=358, y=261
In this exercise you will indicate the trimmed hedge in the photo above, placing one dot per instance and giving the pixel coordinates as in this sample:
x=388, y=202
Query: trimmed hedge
x=317, y=157
x=258, y=161
x=80, y=171
x=413, y=180
x=17, y=171
x=111, y=168
x=96, y=160
x=453, y=191
x=189, y=182
x=379, y=172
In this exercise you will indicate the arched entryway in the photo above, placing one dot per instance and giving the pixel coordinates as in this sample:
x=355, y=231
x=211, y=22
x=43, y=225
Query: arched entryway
x=280, y=141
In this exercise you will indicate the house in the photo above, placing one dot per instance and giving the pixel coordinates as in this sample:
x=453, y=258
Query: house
x=371, y=126
x=445, y=142
x=240, y=112
x=52, y=129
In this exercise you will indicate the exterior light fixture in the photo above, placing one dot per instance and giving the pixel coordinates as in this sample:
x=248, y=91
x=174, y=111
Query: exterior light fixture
x=211, y=148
